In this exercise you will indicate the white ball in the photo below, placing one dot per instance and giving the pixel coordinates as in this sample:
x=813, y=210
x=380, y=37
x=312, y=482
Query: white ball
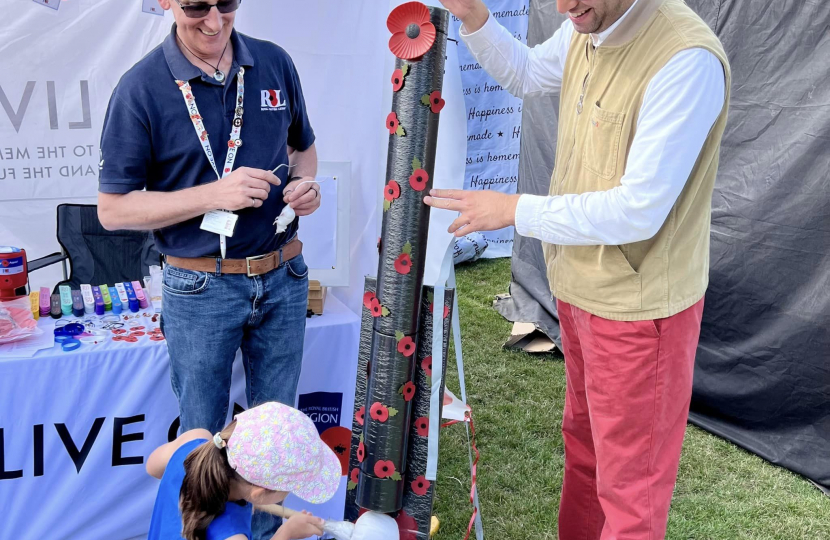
x=375, y=526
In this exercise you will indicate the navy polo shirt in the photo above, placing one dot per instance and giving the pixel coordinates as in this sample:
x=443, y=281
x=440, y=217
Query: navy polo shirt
x=149, y=142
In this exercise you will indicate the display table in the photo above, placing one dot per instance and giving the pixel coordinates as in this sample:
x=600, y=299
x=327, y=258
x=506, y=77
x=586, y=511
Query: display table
x=76, y=428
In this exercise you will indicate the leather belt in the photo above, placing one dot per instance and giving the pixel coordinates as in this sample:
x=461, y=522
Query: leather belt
x=251, y=266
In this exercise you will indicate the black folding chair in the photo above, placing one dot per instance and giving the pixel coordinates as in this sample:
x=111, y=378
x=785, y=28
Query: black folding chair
x=96, y=255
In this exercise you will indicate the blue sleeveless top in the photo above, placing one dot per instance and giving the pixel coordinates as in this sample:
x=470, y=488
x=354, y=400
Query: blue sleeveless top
x=166, y=523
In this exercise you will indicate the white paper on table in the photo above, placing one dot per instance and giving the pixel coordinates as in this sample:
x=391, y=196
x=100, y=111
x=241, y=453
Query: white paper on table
x=26, y=348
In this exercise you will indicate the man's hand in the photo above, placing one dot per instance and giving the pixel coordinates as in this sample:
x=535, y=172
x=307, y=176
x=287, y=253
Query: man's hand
x=480, y=210
x=243, y=188
x=300, y=526
x=473, y=13
x=303, y=195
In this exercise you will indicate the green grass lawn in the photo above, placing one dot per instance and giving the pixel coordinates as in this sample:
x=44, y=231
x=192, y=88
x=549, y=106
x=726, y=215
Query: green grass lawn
x=722, y=492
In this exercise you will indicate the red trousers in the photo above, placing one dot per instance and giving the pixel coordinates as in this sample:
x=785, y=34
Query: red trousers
x=629, y=385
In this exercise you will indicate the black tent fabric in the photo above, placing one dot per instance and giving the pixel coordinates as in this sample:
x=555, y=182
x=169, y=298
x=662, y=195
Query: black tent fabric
x=762, y=378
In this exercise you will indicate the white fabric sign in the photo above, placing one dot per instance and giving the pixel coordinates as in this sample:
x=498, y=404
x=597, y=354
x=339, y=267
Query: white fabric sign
x=494, y=122
x=63, y=63
x=51, y=120
x=77, y=427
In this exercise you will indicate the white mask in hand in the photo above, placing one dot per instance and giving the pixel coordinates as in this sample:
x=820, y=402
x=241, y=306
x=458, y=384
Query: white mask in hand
x=284, y=219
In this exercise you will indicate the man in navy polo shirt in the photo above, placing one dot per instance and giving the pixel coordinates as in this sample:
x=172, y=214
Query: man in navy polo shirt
x=196, y=127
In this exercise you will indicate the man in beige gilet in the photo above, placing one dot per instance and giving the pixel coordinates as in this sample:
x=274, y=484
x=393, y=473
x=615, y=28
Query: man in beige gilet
x=644, y=89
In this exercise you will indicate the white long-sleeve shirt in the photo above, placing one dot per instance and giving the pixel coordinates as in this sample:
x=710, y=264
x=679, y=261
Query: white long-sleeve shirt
x=680, y=105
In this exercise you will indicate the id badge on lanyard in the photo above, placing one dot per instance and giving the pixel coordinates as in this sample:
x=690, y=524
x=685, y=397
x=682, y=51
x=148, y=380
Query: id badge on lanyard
x=221, y=222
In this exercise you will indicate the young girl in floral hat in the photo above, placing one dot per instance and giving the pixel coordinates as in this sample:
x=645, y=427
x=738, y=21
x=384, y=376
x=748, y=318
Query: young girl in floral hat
x=209, y=483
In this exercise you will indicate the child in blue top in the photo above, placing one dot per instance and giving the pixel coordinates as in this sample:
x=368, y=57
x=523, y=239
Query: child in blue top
x=209, y=483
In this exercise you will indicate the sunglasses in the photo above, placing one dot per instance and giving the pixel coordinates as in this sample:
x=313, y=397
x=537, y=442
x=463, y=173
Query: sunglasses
x=201, y=9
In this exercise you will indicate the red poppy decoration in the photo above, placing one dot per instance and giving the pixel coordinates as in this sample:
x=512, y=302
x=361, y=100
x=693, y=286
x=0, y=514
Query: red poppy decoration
x=360, y=415
x=394, y=125
x=433, y=101
x=397, y=80
x=381, y=413
x=418, y=180
x=392, y=191
x=408, y=391
x=368, y=297
x=377, y=309
x=426, y=365
x=412, y=33
x=386, y=469
x=420, y=486
x=353, y=478
x=436, y=103
x=422, y=425
x=361, y=452
x=403, y=264
x=406, y=346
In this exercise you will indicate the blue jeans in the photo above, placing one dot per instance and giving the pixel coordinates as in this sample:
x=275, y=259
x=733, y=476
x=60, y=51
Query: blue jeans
x=208, y=316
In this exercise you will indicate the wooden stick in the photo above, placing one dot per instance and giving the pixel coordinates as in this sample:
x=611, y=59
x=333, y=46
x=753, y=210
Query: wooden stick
x=276, y=510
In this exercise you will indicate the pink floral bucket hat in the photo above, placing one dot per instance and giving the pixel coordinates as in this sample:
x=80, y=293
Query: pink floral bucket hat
x=277, y=447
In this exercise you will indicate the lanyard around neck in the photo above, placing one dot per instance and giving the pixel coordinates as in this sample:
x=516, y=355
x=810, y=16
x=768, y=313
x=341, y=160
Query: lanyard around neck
x=234, y=142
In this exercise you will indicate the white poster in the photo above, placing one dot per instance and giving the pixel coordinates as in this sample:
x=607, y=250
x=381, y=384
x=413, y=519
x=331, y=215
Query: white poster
x=494, y=122
x=61, y=61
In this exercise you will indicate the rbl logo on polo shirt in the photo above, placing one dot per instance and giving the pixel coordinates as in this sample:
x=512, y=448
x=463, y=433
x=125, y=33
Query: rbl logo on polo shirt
x=273, y=100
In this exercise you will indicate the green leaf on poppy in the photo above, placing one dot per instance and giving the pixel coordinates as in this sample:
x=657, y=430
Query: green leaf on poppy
x=398, y=335
x=386, y=205
x=405, y=69
x=407, y=248
x=416, y=164
x=384, y=311
x=361, y=437
x=351, y=486
x=430, y=297
x=425, y=100
x=392, y=411
x=396, y=476
x=400, y=132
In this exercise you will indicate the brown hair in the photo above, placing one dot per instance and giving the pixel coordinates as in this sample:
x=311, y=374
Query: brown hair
x=206, y=486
